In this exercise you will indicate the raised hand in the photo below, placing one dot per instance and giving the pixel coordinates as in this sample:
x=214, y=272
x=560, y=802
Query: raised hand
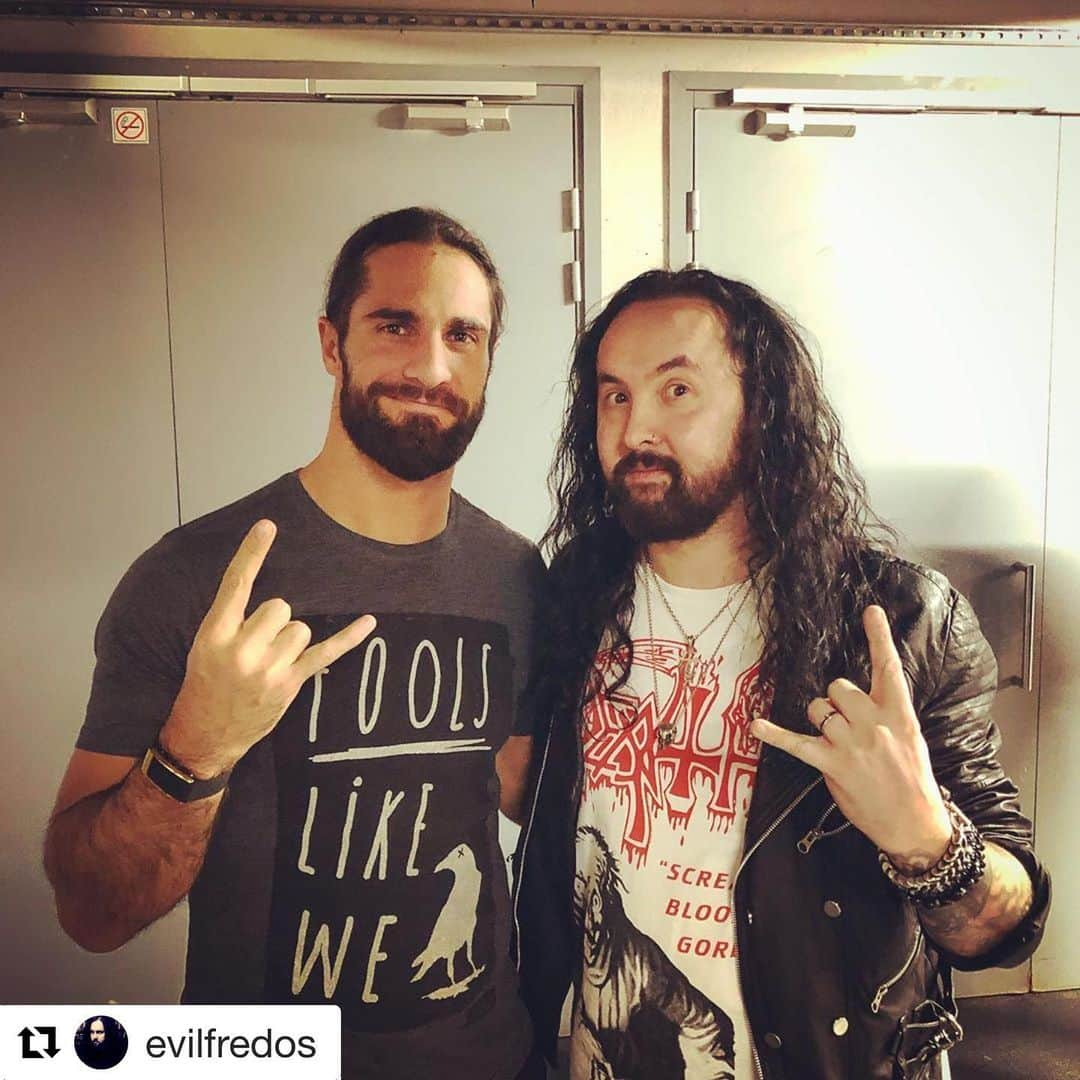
x=242, y=674
x=875, y=761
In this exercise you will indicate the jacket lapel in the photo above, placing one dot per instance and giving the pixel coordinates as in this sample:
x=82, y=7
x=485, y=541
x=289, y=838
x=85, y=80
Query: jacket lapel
x=780, y=780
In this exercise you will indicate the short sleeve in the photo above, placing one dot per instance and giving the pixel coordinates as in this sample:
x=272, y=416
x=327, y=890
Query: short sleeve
x=140, y=648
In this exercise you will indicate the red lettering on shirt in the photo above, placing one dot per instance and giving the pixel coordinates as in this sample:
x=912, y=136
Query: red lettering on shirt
x=621, y=751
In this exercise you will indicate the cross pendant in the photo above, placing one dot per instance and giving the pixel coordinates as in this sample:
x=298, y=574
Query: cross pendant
x=665, y=734
x=687, y=661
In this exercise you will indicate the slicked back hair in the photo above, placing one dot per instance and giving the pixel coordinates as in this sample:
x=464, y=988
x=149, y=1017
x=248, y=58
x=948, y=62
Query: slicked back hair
x=412, y=225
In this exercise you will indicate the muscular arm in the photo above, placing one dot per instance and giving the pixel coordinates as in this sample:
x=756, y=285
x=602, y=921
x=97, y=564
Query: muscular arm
x=119, y=852
x=992, y=908
x=120, y=858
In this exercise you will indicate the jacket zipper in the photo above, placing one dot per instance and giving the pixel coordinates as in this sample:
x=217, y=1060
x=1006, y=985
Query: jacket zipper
x=758, y=1071
x=525, y=843
x=885, y=987
x=818, y=833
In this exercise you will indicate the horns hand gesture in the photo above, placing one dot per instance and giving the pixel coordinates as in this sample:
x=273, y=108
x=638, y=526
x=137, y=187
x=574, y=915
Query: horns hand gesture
x=871, y=751
x=243, y=673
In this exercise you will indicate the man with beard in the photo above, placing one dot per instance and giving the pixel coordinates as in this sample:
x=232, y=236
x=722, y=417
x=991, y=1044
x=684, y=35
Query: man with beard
x=304, y=772
x=768, y=732
x=101, y=1043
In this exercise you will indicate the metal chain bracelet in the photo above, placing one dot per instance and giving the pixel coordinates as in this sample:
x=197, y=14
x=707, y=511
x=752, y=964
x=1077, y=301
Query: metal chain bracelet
x=950, y=878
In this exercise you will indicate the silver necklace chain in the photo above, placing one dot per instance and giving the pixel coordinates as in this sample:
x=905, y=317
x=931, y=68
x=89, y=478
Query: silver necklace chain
x=691, y=639
x=665, y=733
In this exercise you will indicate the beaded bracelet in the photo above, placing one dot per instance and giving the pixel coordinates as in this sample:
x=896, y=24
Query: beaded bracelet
x=963, y=863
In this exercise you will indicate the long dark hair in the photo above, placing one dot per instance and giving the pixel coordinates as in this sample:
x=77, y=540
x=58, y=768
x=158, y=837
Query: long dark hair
x=806, y=507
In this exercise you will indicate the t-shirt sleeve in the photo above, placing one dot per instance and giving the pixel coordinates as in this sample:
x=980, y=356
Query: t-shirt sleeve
x=525, y=719
x=140, y=648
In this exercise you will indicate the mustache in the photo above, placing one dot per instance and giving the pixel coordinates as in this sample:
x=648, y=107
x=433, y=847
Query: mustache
x=441, y=396
x=644, y=459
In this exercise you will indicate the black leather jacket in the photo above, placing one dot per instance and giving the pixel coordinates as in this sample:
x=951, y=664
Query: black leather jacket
x=838, y=977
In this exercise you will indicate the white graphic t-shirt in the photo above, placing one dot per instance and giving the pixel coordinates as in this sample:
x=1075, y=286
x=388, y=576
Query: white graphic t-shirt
x=660, y=835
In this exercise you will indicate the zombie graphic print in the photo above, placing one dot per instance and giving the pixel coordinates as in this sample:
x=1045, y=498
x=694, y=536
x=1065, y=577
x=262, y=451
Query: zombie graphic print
x=637, y=1016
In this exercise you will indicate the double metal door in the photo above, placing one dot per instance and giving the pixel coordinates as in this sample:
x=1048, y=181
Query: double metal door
x=160, y=358
x=259, y=195
x=919, y=254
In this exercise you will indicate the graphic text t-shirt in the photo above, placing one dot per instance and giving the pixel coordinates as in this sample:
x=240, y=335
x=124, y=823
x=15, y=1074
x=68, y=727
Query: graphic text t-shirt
x=356, y=856
x=659, y=841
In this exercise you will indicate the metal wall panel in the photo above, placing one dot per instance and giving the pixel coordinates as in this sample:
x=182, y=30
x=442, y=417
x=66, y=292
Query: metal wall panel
x=259, y=196
x=87, y=443
x=919, y=255
x=1057, y=964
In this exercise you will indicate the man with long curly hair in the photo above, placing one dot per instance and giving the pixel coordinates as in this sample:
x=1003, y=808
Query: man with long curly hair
x=781, y=728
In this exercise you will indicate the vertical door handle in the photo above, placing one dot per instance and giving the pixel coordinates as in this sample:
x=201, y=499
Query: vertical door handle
x=1026, y=678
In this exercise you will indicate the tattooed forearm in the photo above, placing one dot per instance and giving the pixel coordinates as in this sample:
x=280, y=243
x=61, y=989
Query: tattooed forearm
x=916, y=862
x=990, y=909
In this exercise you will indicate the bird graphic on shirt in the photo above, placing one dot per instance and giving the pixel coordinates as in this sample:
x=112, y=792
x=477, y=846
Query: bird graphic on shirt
x=455, y=926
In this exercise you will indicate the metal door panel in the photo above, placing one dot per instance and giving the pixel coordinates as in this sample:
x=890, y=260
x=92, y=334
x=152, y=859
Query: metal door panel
x=919, y=254
x=87, y=440
x=1056, y=965
x=259, y=196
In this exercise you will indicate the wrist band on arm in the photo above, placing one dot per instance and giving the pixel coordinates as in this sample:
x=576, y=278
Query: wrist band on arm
x=963, y=863
x=175, y=780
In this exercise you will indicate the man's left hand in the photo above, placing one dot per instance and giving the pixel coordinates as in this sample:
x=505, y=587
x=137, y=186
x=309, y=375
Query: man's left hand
x=872, y=753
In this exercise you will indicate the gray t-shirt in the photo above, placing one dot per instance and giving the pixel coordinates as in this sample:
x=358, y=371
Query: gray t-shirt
x=356, y=856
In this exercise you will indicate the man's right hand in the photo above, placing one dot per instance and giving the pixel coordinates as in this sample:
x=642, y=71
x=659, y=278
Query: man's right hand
x=242, y=674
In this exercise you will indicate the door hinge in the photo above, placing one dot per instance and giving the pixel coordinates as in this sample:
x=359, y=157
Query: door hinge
x=574, y=292
x=572, y=209
x=693, y=211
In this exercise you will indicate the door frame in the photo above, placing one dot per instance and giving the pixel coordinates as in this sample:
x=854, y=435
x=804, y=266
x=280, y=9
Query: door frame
x=189, y=79
x=688, y=91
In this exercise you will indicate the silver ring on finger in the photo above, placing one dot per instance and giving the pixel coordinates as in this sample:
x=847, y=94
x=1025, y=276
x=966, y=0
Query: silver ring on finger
x=826, y=718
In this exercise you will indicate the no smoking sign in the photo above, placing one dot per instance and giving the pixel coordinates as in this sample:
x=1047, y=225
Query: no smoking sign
x=130, y=126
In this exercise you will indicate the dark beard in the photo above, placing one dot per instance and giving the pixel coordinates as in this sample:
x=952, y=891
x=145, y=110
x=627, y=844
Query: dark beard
x=688, y=507
x=414, y=448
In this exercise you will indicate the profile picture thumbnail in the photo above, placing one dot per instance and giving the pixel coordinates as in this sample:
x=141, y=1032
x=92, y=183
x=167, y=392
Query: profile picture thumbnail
x=101, y=1042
